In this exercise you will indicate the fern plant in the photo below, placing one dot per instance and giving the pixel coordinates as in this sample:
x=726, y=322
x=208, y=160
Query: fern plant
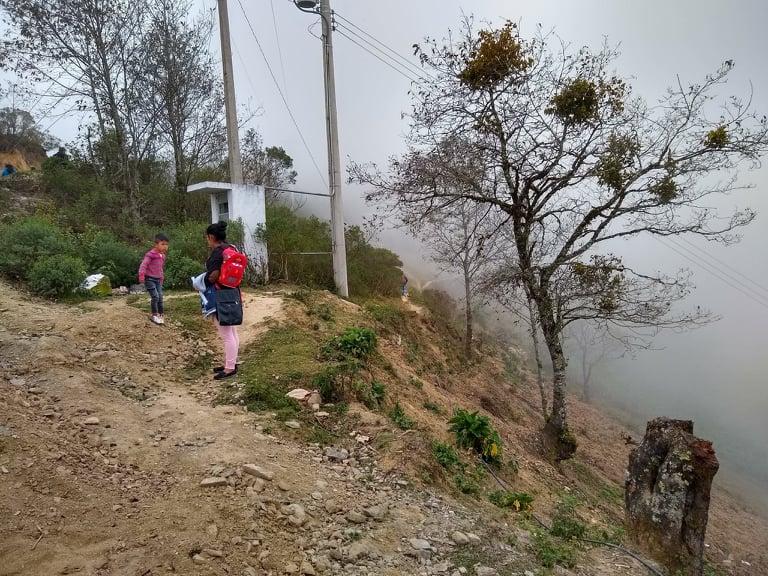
x=474, y=431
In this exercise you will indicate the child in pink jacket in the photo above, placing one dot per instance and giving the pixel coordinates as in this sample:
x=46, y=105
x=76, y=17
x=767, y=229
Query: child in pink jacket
x=151, y=274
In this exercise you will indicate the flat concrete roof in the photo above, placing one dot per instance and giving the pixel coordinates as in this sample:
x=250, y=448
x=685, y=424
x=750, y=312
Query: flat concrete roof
x=209, y=187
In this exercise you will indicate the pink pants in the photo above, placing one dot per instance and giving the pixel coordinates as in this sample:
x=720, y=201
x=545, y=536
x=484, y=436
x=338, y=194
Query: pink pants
x=231, y=342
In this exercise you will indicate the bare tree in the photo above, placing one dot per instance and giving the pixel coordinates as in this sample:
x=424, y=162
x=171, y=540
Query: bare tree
x=182, y=78
x=591, y=349
x=92, y=52
x=573, y=161
x=460, y=240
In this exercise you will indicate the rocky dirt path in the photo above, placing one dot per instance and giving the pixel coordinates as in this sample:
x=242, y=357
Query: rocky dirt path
x=111, y=464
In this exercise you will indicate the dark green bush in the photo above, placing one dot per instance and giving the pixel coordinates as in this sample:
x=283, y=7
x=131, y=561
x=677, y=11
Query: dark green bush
x=26, y=241
x=105, y=254
x=551, y=552
x=475, y=432
x=55, y=276
x=180, y=269
x=400, y=418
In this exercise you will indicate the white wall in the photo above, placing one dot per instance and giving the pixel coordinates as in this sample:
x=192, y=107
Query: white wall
x=248, y=203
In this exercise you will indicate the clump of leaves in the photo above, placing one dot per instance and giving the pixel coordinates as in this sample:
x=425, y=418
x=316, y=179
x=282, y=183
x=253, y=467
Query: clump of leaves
x=565, y=523
x=613, y=168
x=467, y=483
x=498, y=56
x=371, y=394
x=580, y=99
x=333, y=382
x=717, y=138
x=474, y=431
x=445, y=455
x=518, y=500
x=602, y=280
x=322, y=311
x=433, y=407
x=352, y=343
x=302, y=295
x=400, y=418
x=552, y=552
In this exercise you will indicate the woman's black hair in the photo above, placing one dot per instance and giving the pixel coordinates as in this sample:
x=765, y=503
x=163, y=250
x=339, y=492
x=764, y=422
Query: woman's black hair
x=218, y=231
x=160, y=237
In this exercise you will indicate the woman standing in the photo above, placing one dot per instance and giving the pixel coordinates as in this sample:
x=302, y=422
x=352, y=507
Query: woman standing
x=216, y=234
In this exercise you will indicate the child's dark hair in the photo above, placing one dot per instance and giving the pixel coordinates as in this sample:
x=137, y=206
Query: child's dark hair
x=218, y=231
x=160, y=237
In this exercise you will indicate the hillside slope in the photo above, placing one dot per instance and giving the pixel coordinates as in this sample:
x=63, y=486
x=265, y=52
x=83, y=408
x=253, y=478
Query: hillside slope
x=108, y=427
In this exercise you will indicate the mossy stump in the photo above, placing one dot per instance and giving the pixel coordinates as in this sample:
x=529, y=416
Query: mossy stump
x=668, y=486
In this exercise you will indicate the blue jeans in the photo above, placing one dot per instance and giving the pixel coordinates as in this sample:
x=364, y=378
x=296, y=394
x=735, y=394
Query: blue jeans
x=154, y=288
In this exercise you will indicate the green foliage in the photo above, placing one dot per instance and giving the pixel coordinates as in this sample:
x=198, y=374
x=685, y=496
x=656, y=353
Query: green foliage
x=580, y=100
x=614, y=168
x=445, y=455
x=378, y=392
x=551, y=552
x=433, y=407
x=179, y=270
x=354, y=342
x=56, y=276
x=372, y=271
x=334, y=381
x=602, y=280
x=389, y=314
x=518, y=500
x=498, y=56
x=468, y=480
x=717, y=138
x=28, y=240
x=474, y=431
x=400, y=418
x=105, y=254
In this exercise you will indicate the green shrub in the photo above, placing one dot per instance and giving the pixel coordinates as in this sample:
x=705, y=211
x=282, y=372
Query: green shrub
x=55, y=276
x=333, y=382
x=400, y=418
x=445, y=455
x=474, y=431
x=179, y=270
x=565, y=522
x=26, y=241
x=466, y=483
x=551, y=552
x=518, y=500
x=105, y=254
x=352, y=343
x=391, y=315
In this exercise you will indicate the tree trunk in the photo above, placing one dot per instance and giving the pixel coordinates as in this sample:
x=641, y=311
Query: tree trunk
x=537, y=357
x=667, y=494
x=468, y=319
x=560, y=439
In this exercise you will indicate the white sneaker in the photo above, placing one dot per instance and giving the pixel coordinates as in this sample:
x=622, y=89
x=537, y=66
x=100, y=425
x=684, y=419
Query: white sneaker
x=161, y=320
x=156, y=320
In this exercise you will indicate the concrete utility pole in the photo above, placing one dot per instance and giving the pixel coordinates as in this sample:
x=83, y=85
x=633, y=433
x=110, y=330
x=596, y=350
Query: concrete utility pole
x=230, y=106
x=334, y=161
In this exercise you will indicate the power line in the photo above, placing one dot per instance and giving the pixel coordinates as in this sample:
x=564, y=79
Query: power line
x=282, y=95
x=279, y=47
x=418, y=70
x=379, y=58
x=713, y=271
x=706, y=254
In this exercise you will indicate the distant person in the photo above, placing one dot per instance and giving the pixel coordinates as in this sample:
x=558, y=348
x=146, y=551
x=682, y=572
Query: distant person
x=229, y=305
x=9, y=170
x=151, y=274
x=404, y=286
x=62, y=154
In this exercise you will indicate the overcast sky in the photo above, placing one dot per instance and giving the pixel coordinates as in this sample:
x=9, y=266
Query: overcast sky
x=716, y=374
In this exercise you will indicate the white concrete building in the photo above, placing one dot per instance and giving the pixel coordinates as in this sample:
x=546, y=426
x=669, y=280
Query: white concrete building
x=243, y=202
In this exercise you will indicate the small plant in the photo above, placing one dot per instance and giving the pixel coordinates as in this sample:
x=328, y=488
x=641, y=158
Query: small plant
x=378, y=392
x=567, y=527
x=466, y=484
x=551, y=553
x=474, y=431
x=445, y=455
x=333, y=381
x=400, y=418
x=416, y=383
x=302, y=295
x=322, y=311
x=520, y=501
x=433, y=407
x=352, y=343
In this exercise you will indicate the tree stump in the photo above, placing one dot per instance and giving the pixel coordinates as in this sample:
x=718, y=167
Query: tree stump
x=667, y=494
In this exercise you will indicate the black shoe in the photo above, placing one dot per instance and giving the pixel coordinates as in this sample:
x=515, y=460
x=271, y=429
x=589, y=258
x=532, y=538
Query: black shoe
x=224, y=374
x=218, y=369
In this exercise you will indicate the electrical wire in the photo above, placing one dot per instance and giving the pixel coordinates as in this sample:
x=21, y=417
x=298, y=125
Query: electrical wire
x=282, y=94
x=679, y=250
x=414, y=68
x=379, y=58
x=279, y=47
x=705, y=255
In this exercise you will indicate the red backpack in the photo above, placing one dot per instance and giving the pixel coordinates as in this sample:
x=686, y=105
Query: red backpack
x=233, y=268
